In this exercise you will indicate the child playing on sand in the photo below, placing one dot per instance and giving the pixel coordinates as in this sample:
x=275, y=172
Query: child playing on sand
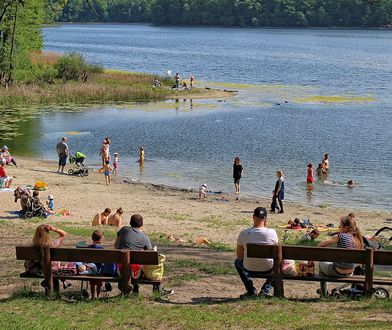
x=106, y=171
x=309, y=177
x=115, y=162
x=203, y=191
x=50, y=202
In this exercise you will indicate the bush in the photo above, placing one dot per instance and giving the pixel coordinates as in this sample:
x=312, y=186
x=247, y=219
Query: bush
x=37, y=73
x=73, y=66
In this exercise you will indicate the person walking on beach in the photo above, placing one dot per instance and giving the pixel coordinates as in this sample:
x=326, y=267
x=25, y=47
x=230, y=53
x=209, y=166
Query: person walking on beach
x=177, y=79
x=309, y=177
x=191, y=81
x=278, y=193
x=63, y=152
x=237, y=173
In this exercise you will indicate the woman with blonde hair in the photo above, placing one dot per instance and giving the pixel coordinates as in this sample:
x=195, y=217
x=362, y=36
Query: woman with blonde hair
x=43, y=238
x=349, y=237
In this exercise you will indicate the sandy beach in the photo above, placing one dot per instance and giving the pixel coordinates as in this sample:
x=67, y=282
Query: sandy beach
x=167, y=211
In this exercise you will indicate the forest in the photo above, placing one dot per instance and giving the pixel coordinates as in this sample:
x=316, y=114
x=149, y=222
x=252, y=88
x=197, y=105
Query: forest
x=268, y=13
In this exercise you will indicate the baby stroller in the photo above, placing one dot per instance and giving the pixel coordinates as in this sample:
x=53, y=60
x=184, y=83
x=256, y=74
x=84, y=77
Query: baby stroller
x=357, y=290
x=78, y=159
x=37, y=210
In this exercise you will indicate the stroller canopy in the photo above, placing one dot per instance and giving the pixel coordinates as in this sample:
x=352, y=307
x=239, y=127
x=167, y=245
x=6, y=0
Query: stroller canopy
x=80, y=155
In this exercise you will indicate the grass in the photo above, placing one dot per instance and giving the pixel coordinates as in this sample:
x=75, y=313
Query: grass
x=39, y=86
x=27, y=311
x=219, y=268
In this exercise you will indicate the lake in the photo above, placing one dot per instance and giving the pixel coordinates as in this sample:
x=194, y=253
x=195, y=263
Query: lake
x=301, y=93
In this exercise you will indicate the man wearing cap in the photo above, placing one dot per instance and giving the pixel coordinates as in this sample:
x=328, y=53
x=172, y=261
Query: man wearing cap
x=258, y=234
x=63, y=152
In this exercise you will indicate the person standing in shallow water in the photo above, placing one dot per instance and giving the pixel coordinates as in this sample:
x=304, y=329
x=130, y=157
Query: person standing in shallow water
x=237, y=173
x=141, y=155
x=278, y=193
x=309, y=176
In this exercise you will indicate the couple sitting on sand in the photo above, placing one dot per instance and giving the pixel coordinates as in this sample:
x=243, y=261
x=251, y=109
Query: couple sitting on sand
x=348, y=237
x=105, y=218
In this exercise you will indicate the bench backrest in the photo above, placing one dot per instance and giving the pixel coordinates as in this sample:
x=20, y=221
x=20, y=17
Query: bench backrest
x=88, y=255
x=315, y=253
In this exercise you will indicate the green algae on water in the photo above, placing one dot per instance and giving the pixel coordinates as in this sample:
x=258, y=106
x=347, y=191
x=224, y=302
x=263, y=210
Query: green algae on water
x=333, y=99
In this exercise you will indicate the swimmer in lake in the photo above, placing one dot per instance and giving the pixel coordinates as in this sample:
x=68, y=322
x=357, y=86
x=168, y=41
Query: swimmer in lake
x=350, y=184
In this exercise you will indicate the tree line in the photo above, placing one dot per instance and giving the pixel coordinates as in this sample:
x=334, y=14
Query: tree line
x=270, y=13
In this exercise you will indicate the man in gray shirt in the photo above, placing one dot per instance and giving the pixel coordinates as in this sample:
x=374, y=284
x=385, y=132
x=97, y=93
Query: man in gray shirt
x=132, y=237
x=63, y=152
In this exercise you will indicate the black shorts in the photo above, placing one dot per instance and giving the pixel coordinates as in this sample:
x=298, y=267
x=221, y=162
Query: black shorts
x=62, y=160
x=237, y=181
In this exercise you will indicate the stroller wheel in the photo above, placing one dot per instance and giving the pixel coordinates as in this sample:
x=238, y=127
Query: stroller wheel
x=71, y=172
x=85, y=294
x=85, y=172
x=380, y=293
x=29, y=214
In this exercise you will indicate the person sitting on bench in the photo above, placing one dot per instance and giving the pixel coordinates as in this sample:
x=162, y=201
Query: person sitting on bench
x=348, y=237
x=258, y=234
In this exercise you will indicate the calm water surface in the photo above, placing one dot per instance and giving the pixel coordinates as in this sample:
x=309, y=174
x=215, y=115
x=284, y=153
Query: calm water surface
x=191, y=143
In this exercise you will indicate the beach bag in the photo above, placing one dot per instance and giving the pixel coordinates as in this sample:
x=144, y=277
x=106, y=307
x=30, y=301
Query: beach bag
x=33, y=267
x=67, y=269
x=304, y=268
x=155, y=272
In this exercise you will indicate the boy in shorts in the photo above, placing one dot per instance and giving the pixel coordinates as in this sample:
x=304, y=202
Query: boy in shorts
x=96, y=285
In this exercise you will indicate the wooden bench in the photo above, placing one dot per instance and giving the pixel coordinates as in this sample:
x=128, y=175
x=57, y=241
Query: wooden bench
x=123, y=257
x=367, y=257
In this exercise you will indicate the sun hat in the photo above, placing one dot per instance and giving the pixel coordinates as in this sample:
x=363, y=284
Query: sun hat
x=5, y=147
x=204, y=185
x=50, y=197
x=260, y=212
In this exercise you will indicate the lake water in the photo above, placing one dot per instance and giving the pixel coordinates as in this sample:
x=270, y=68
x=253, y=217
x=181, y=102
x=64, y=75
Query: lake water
x=189, y=143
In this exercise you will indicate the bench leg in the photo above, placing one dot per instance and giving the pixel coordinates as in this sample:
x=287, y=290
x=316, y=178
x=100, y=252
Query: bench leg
x=323, y=289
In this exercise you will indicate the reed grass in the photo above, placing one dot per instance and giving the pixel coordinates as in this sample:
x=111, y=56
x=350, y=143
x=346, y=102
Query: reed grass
x=106, y=87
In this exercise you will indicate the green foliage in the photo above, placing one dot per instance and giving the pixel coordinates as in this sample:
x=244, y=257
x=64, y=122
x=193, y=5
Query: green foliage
x=298, y=13
x=73, y=66
x=19, y=35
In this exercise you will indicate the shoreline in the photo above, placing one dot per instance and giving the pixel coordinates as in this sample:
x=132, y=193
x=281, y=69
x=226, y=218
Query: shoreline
x=168, y=210
x=250, y=198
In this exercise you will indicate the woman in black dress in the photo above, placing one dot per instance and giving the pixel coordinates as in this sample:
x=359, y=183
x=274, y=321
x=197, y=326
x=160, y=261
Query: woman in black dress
x=237, y=173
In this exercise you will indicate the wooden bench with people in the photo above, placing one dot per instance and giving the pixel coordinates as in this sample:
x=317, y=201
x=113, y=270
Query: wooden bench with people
x=367, y=257
x=47, y=255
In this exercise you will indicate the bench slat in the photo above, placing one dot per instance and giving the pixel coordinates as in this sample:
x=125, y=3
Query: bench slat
x=308, y=253
x=144, y=257
x=85, y=255
x=88, y=255
x=382, y=257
